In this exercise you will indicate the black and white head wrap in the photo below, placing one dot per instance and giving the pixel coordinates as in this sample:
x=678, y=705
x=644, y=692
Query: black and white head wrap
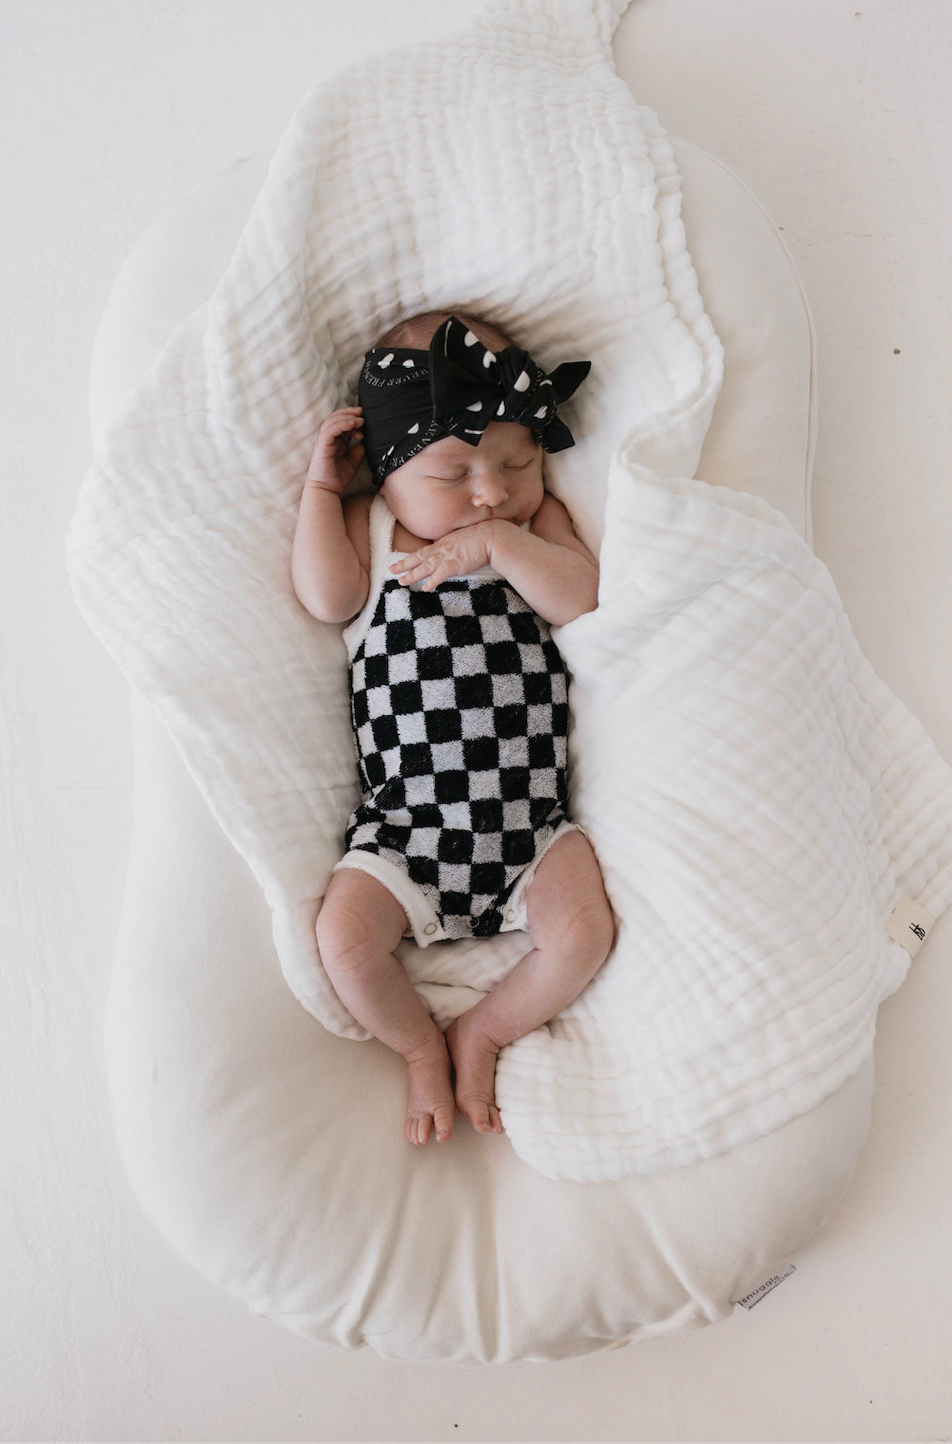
x=411, y=398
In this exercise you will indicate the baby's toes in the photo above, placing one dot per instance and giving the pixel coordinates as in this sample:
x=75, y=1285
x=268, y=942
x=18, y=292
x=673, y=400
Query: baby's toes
x=443, y=1116
x=418, y=1127
x=481, y=1112
x=421, y=1125
x=430, y=1103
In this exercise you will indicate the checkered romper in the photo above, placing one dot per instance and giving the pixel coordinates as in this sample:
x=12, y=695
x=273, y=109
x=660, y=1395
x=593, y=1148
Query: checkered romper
x=460, y=713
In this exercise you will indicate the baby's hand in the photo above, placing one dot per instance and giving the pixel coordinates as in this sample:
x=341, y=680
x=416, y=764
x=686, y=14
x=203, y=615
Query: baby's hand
x=338, y=450
x=454, y=555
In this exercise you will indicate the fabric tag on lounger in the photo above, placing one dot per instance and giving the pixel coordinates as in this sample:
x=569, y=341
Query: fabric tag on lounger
x=750, y=1300
x=909, y=924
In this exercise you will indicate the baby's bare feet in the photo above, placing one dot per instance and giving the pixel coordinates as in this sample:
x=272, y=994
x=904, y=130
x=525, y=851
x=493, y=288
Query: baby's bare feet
x=474, y=1058
x=430, y=1105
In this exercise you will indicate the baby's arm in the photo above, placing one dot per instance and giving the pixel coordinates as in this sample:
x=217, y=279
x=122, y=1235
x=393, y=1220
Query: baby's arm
x=327, y=573
x=547, y=565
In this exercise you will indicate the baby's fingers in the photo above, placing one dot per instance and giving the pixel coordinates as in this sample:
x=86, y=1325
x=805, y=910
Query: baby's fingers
x=338, y=449
x=407, y=575
x=434, y=572
x=409, y=570
x=339, y=424
x=411, y=561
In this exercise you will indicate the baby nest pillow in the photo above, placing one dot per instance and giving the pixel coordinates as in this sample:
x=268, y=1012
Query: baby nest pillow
x=267, y=1151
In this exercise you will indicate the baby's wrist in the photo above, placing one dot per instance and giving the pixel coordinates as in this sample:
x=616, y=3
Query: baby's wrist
x=315, y=484
x=496, y=534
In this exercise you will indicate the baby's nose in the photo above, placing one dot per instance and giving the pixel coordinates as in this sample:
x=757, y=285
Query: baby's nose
x=489, y=490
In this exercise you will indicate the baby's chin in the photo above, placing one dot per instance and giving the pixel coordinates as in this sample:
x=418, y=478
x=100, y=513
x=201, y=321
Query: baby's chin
x=524, y=514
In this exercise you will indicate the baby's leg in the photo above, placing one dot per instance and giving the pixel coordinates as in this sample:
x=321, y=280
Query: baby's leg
x=572, y=930
x=359, y=925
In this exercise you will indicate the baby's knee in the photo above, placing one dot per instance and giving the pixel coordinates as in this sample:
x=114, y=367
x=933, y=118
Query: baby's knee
x=338, y=926
x=580, y=935
x=359, y=923
x=589, y=930
x=345, y=938
x=568, y=908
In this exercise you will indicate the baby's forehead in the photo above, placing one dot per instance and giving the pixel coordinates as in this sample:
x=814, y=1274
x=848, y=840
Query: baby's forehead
x=502, y=435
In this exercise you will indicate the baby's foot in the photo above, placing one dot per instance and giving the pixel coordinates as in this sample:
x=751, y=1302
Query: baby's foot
x=474, y=1058
x=430, y=1104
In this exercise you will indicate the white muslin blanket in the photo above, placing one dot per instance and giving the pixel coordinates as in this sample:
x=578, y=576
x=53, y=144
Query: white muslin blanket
x=758, y=800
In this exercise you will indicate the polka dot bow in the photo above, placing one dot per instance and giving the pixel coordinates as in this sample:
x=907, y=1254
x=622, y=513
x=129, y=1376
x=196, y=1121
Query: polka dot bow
x=412, y=398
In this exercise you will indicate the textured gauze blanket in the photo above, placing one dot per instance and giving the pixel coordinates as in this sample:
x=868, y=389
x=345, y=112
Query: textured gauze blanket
x=774, y=828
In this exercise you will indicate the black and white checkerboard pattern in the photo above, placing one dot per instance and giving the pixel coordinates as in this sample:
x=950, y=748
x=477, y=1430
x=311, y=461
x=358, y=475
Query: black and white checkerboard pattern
x=460, y=711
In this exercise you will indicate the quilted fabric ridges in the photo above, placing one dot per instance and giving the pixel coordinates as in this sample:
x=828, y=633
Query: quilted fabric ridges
x=759, y=800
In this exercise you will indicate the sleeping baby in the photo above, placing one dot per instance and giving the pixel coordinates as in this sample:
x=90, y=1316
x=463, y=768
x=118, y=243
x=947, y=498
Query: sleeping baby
x=449, y=577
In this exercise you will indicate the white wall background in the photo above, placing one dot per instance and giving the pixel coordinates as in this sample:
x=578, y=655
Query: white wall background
x=837, y=114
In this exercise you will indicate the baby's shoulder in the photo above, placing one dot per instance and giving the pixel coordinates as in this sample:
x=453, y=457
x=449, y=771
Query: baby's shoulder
x=357, y=524
x=553, y=523
x=551, y=519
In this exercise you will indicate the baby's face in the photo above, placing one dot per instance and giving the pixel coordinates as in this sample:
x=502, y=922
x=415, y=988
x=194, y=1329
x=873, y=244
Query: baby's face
x=450, y=484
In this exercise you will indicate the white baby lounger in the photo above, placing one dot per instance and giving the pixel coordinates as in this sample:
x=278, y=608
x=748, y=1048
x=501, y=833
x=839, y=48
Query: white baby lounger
x=267, y=1150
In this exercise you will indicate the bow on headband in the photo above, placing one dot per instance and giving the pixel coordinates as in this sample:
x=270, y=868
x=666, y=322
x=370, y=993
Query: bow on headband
x=412, y=398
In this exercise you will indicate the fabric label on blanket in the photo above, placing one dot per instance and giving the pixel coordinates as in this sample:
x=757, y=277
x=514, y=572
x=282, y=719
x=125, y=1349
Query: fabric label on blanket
x=909, y=924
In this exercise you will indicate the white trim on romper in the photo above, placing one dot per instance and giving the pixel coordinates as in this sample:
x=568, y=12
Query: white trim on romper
x=425, y=927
